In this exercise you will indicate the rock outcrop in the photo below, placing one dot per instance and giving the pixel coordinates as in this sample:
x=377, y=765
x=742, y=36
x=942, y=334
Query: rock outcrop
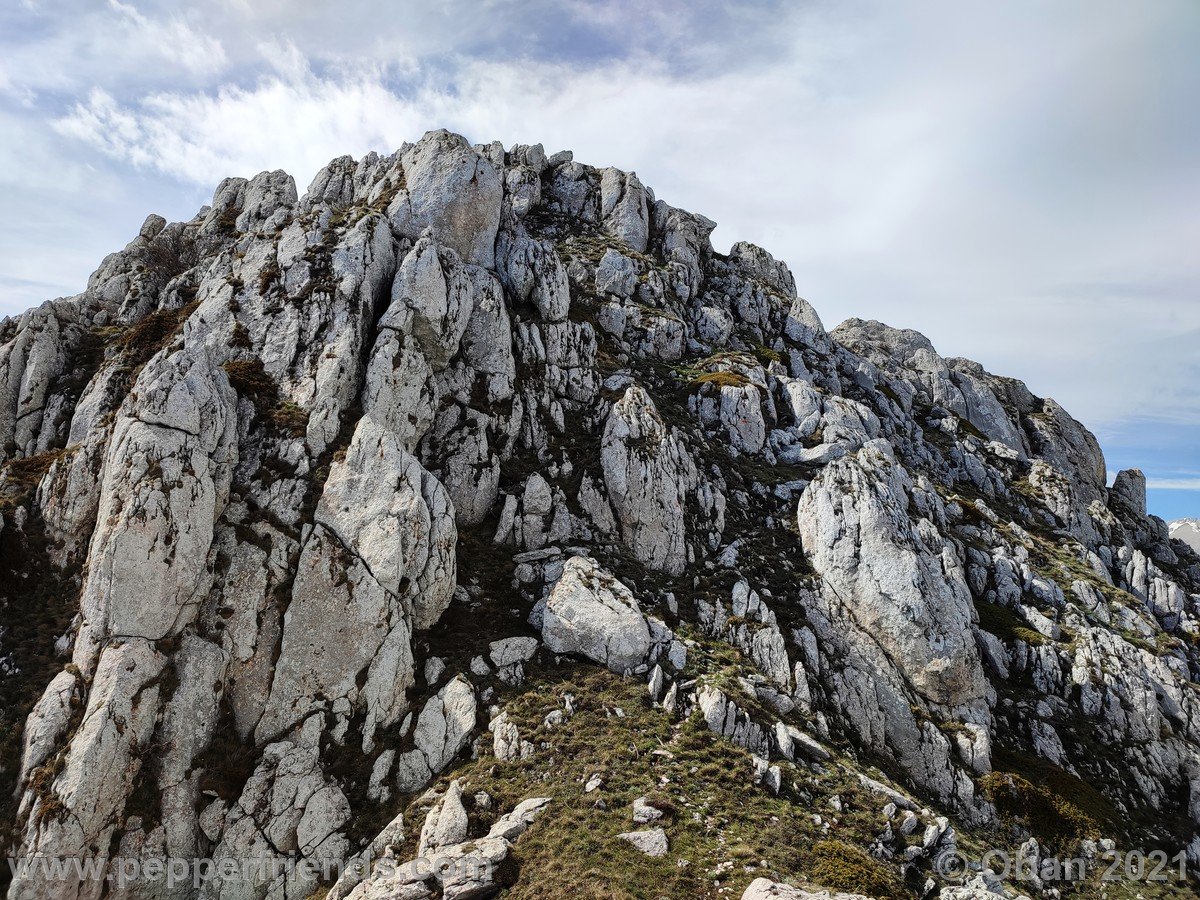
x=302, y=497
x=591, y=614
x=765, y=889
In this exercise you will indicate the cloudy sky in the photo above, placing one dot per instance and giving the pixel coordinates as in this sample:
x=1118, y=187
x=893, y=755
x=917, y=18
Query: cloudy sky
x=1019, y=181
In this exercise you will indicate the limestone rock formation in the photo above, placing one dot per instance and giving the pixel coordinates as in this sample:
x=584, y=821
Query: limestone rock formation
x=475, y=479
x=591, y=614
x=765, y=889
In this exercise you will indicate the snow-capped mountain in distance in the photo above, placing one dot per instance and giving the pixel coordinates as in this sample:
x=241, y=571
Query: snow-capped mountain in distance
x=1188, y=531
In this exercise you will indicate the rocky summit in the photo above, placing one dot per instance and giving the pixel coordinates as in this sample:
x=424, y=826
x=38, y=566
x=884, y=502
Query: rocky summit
x=471, y=514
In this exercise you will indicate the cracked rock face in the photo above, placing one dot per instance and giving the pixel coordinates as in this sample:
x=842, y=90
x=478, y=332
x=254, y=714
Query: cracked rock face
x=296, y=495
x=591, y=614
x=649, y=477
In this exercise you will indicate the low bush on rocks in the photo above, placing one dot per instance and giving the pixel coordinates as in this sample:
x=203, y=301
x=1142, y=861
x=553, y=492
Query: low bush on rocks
x=1054, y=805
x=150, y=334
x=720, y=379
x=836, y=864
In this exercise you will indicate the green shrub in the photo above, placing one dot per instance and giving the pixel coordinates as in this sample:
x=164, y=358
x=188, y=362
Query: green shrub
x=843, y=867
x=767, y=356
x=1007, y=625
x=1048, y=817
x=720, y=379
x=1054, y=805
x=1029, y=636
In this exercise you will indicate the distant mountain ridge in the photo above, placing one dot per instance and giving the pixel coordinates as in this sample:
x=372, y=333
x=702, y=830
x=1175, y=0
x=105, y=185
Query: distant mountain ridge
x=1188, y=531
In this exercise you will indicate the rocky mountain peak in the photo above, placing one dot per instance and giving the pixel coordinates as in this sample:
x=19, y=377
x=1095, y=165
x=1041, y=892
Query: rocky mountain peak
x=1188, y=531
x=471, y=506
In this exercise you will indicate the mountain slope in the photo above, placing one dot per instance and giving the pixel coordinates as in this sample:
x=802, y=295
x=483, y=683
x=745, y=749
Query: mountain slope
x=1188, y=531
x=482, y=470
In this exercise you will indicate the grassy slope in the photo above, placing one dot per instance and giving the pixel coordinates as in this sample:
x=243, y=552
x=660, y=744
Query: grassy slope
x=724, y=831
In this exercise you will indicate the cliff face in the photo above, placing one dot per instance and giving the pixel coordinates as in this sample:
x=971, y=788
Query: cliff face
x=311, y=503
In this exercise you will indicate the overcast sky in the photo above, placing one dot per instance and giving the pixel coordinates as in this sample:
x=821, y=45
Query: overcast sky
x=1019, y=180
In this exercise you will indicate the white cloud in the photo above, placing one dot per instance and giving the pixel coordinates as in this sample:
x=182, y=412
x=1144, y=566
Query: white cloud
x=1174, y=484
x=290, y=119
x=174, y=38
x=63, y=49
x=285, y=58
x=1024, y=195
